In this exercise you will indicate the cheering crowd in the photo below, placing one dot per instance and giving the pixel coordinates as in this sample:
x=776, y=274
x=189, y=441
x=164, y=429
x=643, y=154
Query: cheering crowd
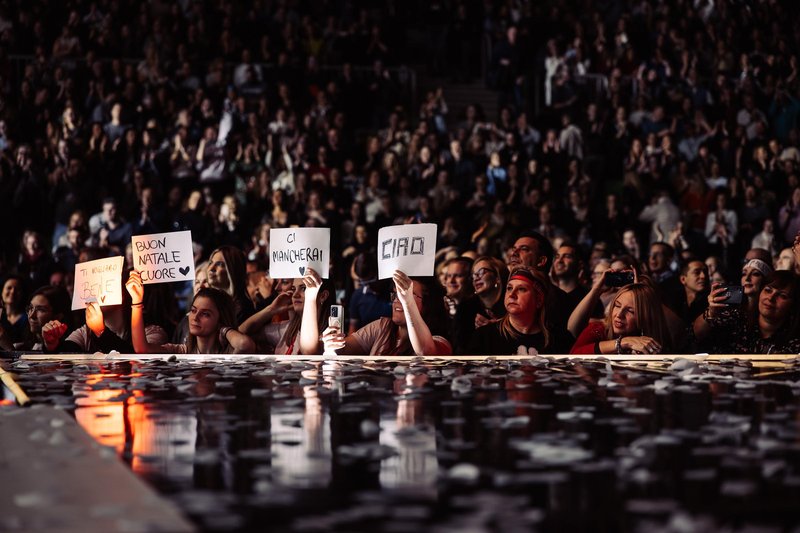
x=638, y=191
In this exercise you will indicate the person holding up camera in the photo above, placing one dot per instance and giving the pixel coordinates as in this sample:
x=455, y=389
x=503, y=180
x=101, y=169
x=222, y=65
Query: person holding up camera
x=634, y=324
x=732, y=304
x=773, y=328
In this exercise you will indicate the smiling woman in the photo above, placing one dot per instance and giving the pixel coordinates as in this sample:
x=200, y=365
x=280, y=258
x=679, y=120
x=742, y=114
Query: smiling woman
x=212, y=324
x=775, y=328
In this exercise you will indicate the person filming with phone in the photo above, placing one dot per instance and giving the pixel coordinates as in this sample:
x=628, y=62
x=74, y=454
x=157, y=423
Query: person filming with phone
x=634, y=324
x=773, y=328
x=741, y=300
x=418, y=314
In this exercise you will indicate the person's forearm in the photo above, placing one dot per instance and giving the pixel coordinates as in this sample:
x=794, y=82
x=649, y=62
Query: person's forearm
x=583, y=311
x=701, y=327
x=240, y=342
x=256, y=321
x=138, y=337
x=309, y=325
x=418, y=332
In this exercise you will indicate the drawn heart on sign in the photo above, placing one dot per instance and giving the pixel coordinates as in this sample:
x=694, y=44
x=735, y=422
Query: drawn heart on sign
x=102, y=299
x=302, y=270
x=183, y=270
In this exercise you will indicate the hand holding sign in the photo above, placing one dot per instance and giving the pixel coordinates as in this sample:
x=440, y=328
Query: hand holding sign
x=98, y=281
x=292, y=250
x=135, y=287
x=94, y=318
x=410, y=248
x=164, y=257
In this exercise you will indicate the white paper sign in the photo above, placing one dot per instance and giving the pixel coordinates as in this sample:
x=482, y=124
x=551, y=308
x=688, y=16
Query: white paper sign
x=164, y=257
x=410, y=248
x=98, y=281
x=291, y=250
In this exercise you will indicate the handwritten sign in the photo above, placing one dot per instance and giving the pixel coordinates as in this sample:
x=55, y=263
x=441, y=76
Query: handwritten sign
x=164, y=257
x=98, y=281
x=410, y=248
x=291, y=250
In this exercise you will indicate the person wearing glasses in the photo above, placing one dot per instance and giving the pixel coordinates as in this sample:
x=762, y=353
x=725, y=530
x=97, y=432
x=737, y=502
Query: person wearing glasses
x=47, y=303
x=461, y=305
x=534, y=250
x=418, y=317
x=524, y=330
x=489, y=276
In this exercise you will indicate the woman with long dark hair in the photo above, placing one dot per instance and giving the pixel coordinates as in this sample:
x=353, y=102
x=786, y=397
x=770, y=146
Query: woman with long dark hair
x=212, y=324
x=774, y=328
x=418, y=316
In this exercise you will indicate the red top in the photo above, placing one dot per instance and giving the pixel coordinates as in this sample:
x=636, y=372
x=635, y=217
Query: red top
x=589, y=337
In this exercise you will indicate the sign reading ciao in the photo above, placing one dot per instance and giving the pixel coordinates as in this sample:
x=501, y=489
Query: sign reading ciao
x=291, y=250
x=409, y=247
x=164, y=257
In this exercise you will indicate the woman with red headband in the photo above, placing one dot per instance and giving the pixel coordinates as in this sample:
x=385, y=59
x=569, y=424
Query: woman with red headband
x=524, y=330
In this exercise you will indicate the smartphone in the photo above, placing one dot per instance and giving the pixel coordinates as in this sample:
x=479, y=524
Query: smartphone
x=336, y=319
x=734, y=294
x=619, y=279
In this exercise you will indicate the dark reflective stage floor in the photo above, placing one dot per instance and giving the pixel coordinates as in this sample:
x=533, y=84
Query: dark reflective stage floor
x=492, y=446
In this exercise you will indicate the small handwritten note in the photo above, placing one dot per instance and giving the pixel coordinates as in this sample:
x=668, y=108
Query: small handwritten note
x=98, y=281
x=408, y=247
x=164, y=257
x=292, y=250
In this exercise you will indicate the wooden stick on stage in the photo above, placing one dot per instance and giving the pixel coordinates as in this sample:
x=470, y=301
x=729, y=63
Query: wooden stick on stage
x=8, y=381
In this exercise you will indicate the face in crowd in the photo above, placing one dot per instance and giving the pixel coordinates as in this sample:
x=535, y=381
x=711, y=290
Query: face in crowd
x=203, y=317
x=659, y=259
x=565, y=262
x=775, y=304
x=752, y=280
x=456, y=280
x=525, y=252
x=623, y=315
x=484, y=277
x=217, y=272
x=523, y=297
x=696, y=277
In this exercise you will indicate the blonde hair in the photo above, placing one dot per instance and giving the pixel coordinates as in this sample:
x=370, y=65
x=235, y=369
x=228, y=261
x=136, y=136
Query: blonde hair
x=650, y=320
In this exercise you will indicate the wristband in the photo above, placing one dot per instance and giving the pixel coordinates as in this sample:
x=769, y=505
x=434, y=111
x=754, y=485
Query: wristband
x=223, y=334
x=140, y=304
x=618, y=345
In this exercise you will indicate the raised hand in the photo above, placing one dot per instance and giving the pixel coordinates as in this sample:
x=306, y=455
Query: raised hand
x=404, y=287
x=52, y=333
x=94, y=318
x=332, y=339
x=135, y=287
x=312, y=280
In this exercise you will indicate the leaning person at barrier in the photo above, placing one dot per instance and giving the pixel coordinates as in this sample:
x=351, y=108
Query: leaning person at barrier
x=634, y=324
x=283, y=337
x=47, y=303
x=212, y=324
x=775, y=328
x=524, y=330
x=418, y=314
